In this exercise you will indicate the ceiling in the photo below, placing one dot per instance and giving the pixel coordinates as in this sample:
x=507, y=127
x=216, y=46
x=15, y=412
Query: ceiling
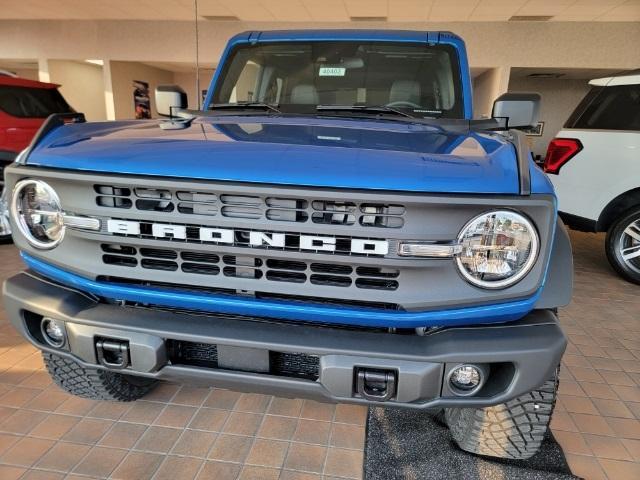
x=324, y=10
x=562, y=73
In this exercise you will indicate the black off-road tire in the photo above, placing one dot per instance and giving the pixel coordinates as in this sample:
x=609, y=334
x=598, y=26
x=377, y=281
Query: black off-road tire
x=94, y=383
x=512, y=430
x=628, y=270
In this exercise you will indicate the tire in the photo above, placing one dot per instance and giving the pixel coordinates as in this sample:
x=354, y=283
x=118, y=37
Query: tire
x=6, y=239
x=513, y=430
x=624, y=235
x=94, y=383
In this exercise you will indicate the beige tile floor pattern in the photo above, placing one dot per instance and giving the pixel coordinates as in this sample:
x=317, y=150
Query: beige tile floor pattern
x=185, y=432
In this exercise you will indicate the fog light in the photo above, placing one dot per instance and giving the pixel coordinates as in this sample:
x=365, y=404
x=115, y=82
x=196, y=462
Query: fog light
x=53, y=332
x=465, y=379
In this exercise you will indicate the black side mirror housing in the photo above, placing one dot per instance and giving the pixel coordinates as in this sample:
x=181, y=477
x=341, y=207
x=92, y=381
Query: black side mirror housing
x=520, y=110
x=170, y=99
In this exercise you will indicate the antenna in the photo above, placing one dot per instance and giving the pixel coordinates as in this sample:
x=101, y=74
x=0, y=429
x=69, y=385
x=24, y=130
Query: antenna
x=198, y=94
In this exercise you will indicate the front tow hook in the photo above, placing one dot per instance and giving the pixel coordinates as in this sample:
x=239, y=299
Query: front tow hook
x=376, y=385
x=113, y=354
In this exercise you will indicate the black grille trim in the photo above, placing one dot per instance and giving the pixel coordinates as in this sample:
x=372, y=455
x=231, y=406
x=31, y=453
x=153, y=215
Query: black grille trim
x=249, y=267
x=232, y=205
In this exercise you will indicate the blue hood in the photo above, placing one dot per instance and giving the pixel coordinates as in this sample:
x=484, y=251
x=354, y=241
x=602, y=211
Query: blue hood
x=307, y=151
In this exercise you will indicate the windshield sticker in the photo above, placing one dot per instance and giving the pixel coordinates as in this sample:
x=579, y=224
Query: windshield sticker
x=332, y=71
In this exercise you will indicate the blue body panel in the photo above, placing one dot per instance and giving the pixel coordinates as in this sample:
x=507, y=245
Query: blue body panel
x=413, y=36
x=304, y=151
x=497, y=313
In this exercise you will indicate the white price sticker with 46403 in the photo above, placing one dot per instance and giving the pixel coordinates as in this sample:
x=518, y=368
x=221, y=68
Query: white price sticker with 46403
x=332, y=71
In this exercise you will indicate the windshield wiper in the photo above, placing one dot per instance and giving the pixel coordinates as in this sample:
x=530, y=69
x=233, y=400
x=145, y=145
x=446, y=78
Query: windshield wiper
x=243, y=105
x=363, y=108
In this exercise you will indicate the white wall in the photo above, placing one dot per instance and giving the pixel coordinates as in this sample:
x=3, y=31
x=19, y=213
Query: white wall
x=82, y=86
x=187, y=80
x=122, y=76
x=559, y=98
x=486, y=88
x=28, y=73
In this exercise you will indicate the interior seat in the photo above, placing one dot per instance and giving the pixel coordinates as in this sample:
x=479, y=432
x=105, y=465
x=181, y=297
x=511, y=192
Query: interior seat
x=304, y=94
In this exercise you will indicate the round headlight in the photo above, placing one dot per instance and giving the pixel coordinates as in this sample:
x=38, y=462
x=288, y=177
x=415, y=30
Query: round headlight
x=498, y=249
x=36, y=209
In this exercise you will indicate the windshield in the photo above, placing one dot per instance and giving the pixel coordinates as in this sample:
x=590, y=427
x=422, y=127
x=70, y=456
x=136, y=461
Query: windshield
x=418, y=79
x=24, y=102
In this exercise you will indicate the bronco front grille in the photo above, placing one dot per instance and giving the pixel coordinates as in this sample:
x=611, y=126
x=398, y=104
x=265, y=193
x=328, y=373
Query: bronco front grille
x=254, y=207
x=250, y=267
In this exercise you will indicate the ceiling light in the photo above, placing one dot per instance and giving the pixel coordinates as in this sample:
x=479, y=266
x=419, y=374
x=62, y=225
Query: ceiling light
x=531, y=18
x=95, y=62
x=368, y=19
x=545, y=75
x=221, y=18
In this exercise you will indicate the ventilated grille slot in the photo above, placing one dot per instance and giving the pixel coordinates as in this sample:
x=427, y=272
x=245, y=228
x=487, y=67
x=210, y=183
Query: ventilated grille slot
x=197, y=208
x=198, y=197
x=114, y=197
x=377, y=284
x=120, y=261
x=286, y=265
x=299, y=365
x=153, y=193
x=193, y=353
x=331, y=268
x=286, y=209
x=333, y=213
x=200, y=268
x=240, y=200
x=378, y=272
x=153, y=264
x=330, y=280
x=286, y=276
x=379, y=215
x=114, y=202
x=154, y=205
x=115, y=248
x=200, y=257
x=158, y=253
x=242, y=267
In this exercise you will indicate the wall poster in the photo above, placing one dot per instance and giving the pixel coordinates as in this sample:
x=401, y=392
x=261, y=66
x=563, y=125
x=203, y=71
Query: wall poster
x=141, y=100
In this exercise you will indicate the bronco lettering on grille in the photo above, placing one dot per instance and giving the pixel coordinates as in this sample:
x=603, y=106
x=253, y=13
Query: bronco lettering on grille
x=323, y=243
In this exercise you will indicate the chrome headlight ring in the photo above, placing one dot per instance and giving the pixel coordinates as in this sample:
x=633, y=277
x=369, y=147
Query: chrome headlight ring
x=38, y=218
x=502, y=245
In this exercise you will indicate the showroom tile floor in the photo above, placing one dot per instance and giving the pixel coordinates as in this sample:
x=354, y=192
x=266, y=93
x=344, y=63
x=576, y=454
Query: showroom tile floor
x=182, y=432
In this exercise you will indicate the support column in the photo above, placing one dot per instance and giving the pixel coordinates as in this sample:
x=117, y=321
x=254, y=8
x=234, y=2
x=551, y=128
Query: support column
x=108, y=91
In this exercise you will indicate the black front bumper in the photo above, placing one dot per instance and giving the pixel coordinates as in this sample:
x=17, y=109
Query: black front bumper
x=519, y=356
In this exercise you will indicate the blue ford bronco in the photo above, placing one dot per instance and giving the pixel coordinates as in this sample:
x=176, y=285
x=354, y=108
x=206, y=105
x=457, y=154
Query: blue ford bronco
x=332, y=224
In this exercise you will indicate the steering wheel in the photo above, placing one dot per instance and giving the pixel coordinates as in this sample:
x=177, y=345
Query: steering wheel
x=403, y=103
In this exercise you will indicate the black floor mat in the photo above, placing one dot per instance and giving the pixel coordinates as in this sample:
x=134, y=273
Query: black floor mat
x=409, y=445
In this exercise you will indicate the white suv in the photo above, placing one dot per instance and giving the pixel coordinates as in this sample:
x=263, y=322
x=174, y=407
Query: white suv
x=594, y=165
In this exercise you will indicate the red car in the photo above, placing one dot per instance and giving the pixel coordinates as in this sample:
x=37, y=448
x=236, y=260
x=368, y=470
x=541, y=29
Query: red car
x=24, y=106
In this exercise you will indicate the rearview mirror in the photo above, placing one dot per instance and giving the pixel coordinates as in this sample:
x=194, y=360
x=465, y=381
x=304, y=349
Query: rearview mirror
x=520, y=110
x=170, y=99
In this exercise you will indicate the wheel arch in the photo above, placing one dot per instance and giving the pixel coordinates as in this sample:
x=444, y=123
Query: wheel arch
x=616, y=207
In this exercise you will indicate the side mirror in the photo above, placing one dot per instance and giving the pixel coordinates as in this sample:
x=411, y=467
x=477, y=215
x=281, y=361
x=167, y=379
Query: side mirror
x=519, y=109
x=170, y=99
